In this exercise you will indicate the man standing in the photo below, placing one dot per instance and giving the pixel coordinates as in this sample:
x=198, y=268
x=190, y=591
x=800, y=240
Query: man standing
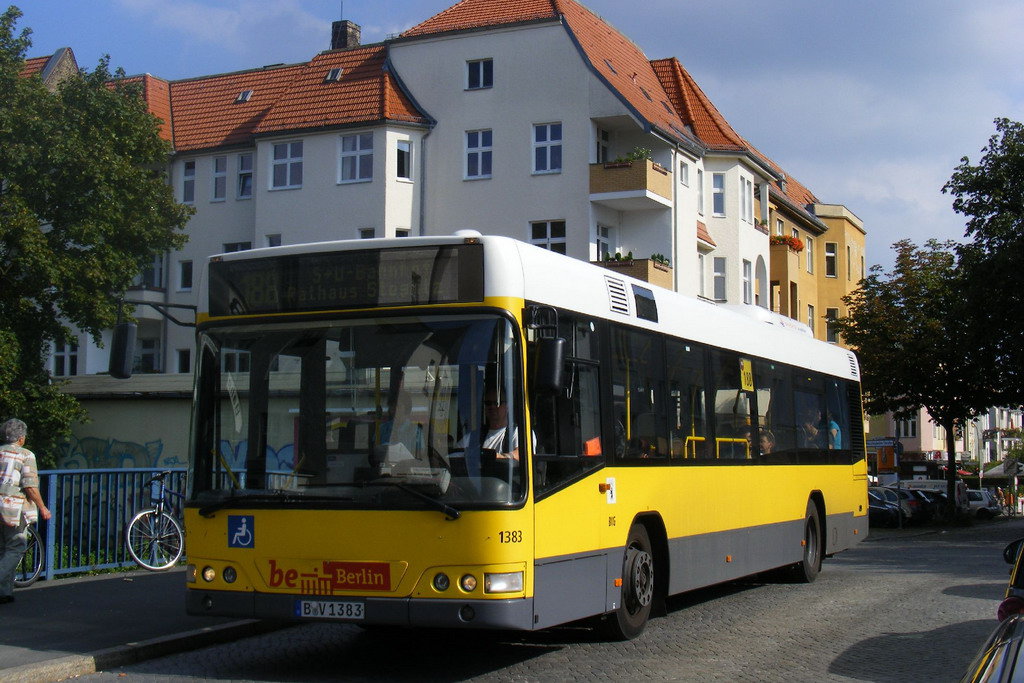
x=19, y=501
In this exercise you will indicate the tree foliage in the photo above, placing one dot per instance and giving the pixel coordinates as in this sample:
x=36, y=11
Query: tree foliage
x=991, y=195
x=916, y=345
x=84, y=206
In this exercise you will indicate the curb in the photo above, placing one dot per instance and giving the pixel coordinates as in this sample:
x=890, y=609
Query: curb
x=78, y=665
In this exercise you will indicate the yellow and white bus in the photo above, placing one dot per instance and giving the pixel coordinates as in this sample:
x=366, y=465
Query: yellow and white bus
x=470, y=431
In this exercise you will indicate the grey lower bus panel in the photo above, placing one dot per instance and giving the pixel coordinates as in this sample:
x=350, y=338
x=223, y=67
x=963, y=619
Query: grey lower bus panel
x=496, y=614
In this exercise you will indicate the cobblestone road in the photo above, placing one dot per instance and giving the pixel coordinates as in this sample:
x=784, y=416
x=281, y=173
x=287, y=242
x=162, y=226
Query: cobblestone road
x=902, y=607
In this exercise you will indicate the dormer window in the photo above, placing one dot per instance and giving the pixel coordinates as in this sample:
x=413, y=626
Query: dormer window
x=608, y=62
x=244, y=96
x=333, y=75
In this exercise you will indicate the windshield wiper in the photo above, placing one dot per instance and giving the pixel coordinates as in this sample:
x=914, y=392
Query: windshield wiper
x=439, y=505
x=242, y=497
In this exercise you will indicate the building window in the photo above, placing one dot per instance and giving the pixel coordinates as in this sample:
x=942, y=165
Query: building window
x=478, y=153
x=780, y=227
x=356, y=158
x=234, y=361
x=718, y=287
x=701, y=274
x=245, y=175
x=184, y=276
x=718, y=194
x=184, y=360
x=479, y=74
x=402, y=232
x=65, y=358
x=287, y=165
x=700, y=191
x=604, y=242
x=684, y=173
x=236, y=246
x=748, y=282
x=809, y=247
x=403, y=152
x=549, y=235
x=152, y=277
x=147, y=355
x=810, y=317
x=831, y=333
x=367, y=233
x=831, y=259
x=604, y=143
x=747, y=199
x=273, y=240
x=547, y=148
x=220, y=178
x=907, y=429
x=188, y=183
x=849, y=264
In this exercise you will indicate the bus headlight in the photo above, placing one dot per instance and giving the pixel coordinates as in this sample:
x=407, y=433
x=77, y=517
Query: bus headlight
x=190, y=573
x=209, y=574
x=468, y=583
x=508, y=582
x=441, y=582
x=229, y=574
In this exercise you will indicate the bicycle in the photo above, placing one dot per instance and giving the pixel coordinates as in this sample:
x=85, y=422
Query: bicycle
x=154, y=537
x=31, y=565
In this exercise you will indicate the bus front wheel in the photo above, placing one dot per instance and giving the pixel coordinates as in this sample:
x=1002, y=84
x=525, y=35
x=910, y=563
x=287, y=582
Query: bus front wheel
x=630, y=618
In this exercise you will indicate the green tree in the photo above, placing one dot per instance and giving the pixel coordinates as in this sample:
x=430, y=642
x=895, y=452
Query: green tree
x=916, y=347
x=84, y=207
x=991, y=196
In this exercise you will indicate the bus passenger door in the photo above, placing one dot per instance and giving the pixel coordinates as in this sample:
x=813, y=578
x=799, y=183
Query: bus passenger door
x=570, y=571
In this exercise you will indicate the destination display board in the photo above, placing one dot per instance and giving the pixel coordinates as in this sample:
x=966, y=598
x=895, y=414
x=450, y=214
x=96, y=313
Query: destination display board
x=365, y=278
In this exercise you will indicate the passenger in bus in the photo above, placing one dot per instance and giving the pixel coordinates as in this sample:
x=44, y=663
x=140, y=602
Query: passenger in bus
x=766, y=440
x=496, y=419
x=812, y=429
x=401, y=435
x=835, y=435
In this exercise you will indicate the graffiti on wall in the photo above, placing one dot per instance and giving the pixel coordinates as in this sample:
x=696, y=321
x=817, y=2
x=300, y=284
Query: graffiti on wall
x=95, y=453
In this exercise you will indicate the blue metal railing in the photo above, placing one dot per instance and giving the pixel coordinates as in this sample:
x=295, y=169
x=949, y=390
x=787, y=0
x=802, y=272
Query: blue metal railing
x=91, y=510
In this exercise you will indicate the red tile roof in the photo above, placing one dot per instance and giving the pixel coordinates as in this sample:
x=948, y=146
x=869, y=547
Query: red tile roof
x=696, y=109
x=470, y=14
x=365, y=92
x=703, y=234
x=157, y=94
x=207, y=114
x=34, y=66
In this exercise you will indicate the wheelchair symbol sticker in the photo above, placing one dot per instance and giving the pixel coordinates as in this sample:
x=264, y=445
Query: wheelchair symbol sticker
x=241, y=531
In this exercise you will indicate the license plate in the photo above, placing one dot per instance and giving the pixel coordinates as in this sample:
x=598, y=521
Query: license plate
x=323, y=609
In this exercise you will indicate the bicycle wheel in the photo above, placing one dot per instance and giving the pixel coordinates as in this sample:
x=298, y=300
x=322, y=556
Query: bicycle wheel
x=155, y=541
x=31, y=565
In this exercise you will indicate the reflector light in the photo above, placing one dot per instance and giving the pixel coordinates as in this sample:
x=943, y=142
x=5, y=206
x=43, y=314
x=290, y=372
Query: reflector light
x=1010, y=605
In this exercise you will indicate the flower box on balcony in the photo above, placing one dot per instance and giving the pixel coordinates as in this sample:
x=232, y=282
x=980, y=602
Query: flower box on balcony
x=648, y=270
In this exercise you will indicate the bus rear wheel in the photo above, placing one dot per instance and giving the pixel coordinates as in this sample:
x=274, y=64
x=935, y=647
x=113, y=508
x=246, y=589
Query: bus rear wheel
x=630, y=618
x=808, y=568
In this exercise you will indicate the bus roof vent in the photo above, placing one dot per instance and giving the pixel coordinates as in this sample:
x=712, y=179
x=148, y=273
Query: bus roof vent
x=854, y=370
x=618, y=300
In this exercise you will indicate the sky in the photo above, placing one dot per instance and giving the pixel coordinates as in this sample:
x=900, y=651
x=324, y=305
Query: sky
x=870, y=104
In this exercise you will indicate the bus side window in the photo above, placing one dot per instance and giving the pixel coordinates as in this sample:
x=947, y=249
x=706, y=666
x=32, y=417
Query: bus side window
x=735, y=422
x=688, y=428
x=637, y=385
x=774, y=383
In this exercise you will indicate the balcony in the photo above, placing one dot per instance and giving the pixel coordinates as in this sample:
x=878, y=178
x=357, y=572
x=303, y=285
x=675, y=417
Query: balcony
x=631, y=185
x=648, y=270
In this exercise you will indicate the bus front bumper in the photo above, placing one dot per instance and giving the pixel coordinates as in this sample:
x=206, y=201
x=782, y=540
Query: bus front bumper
x=488, y=614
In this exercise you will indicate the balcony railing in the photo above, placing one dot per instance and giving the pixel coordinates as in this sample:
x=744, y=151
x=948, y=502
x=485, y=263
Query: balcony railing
x=648, y=270
x=631, y=185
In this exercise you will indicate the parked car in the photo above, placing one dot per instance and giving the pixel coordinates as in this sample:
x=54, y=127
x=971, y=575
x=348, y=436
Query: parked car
x=997, y=659
x=941, y=486
x=938, y=502
x=881, y=512
x=920, y=507
x=984, y=504
x=890, y=497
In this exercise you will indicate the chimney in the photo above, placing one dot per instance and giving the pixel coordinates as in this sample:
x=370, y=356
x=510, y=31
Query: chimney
x=344, y=35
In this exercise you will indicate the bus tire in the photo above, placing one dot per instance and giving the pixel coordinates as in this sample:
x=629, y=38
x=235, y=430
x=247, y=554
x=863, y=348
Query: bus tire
x=808, y=568
x=630, y=618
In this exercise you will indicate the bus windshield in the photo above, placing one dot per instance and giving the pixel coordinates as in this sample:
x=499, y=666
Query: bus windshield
x=378, y=413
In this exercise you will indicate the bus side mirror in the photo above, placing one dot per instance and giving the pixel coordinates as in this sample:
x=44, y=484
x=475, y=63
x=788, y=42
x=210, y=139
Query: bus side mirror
x=122, y=350
x=550, y=361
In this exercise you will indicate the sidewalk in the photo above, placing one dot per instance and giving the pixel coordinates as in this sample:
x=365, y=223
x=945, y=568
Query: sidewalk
x=68, y=627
